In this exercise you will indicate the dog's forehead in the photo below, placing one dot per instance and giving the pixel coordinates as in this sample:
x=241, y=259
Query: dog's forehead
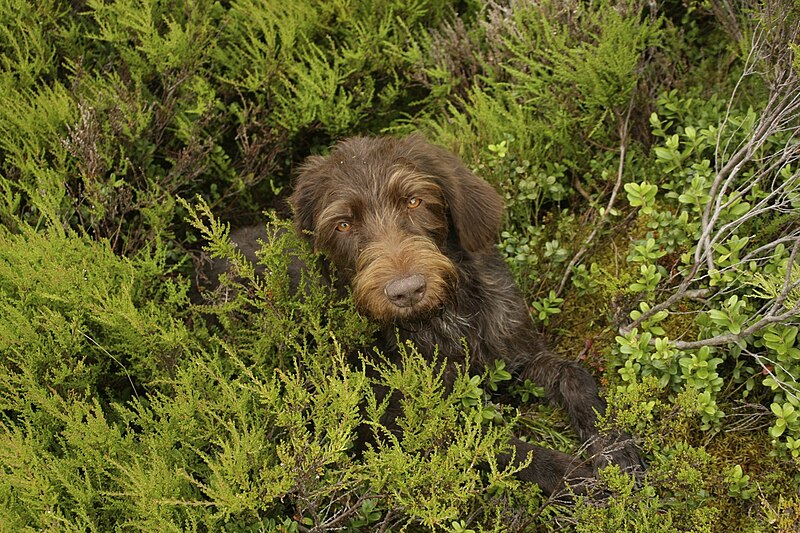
x=370, y=172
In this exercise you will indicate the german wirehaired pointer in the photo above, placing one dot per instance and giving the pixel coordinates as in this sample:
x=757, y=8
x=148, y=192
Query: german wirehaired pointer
x=412, y=232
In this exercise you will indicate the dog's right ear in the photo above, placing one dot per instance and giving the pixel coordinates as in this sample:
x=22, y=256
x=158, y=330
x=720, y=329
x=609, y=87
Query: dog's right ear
x=475, y=207
x=305, y=197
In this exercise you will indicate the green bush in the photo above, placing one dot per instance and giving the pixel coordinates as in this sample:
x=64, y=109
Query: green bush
x=647, y=156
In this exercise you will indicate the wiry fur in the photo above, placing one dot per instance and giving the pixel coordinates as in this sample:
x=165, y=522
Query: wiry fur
x=386, y=209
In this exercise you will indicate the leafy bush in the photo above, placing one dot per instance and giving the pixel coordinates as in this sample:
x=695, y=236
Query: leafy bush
x=647, y=154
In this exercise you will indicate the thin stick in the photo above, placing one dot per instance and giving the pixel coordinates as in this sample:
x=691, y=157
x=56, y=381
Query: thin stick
x=623, y=148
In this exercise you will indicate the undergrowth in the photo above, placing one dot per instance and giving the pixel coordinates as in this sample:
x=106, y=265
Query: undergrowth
x=647, y=156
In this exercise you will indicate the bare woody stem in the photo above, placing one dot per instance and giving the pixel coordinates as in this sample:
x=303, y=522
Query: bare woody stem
x=623, y=149
x=779, y=116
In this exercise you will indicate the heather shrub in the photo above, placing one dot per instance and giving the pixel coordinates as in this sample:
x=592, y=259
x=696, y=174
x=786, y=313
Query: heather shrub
x=647, y=156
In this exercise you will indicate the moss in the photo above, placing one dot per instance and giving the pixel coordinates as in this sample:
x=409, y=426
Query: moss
x=589, y=315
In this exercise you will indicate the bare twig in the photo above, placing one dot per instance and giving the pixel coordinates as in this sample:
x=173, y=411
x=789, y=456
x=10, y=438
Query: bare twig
x=778, y=118
x=756, y=254
x=787, y=388
x=387, y=520
x=680, y=293
x=346, y=513
x=623, y=148
x=102, y=349
x=748, y=417
x=730, y=338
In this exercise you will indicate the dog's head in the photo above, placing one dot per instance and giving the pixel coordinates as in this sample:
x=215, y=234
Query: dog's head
x=394, y=216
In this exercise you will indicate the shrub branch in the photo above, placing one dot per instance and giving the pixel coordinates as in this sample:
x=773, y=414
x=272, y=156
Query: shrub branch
x=623, y=148
x=778, y=119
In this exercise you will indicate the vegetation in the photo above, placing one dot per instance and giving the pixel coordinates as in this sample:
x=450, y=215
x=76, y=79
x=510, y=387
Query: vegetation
x=648, y=155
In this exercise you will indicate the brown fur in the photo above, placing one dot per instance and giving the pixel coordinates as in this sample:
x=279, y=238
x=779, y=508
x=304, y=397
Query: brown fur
x=412, y=231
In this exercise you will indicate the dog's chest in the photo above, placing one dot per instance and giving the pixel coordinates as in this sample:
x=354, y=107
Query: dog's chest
x=455, y=338
x=445, y=335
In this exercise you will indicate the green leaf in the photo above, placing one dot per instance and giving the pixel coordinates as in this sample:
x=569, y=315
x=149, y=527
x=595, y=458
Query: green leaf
x=718, y=316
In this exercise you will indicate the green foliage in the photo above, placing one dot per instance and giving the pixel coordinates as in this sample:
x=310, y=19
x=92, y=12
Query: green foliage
x=556, y=73
x=111, y=109
x=168, y=428
x=688, y=180
x=76, y=318
x=638, y=509
x=130, y=401
x=548, y=306
x=642, y=195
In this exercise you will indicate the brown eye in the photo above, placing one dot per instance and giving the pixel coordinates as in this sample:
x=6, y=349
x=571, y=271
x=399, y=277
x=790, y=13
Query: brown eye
x=414, y=202
x=343, y=226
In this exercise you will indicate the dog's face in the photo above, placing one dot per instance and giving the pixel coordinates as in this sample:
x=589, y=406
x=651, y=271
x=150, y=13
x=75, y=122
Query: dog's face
x=393, y=215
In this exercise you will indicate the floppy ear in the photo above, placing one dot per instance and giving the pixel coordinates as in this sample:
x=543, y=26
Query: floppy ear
x=306, y=196
x=475, y=207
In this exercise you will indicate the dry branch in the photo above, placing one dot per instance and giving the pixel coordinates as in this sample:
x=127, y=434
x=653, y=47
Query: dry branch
x=775, y=174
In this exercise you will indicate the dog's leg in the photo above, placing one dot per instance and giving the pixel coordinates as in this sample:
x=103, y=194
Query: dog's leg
x=552, y=470
x=573, y=388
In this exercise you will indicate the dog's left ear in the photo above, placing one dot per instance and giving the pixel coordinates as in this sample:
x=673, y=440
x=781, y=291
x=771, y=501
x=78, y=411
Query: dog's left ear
x=305, y=196
x=475, y=207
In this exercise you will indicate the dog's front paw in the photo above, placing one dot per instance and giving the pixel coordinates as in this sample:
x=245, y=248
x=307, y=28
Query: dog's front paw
x=617, y=448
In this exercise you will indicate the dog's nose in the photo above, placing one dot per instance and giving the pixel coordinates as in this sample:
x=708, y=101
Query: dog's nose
x=406, y=292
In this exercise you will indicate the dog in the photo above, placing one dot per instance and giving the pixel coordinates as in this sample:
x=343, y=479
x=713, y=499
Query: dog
x=411, y=233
